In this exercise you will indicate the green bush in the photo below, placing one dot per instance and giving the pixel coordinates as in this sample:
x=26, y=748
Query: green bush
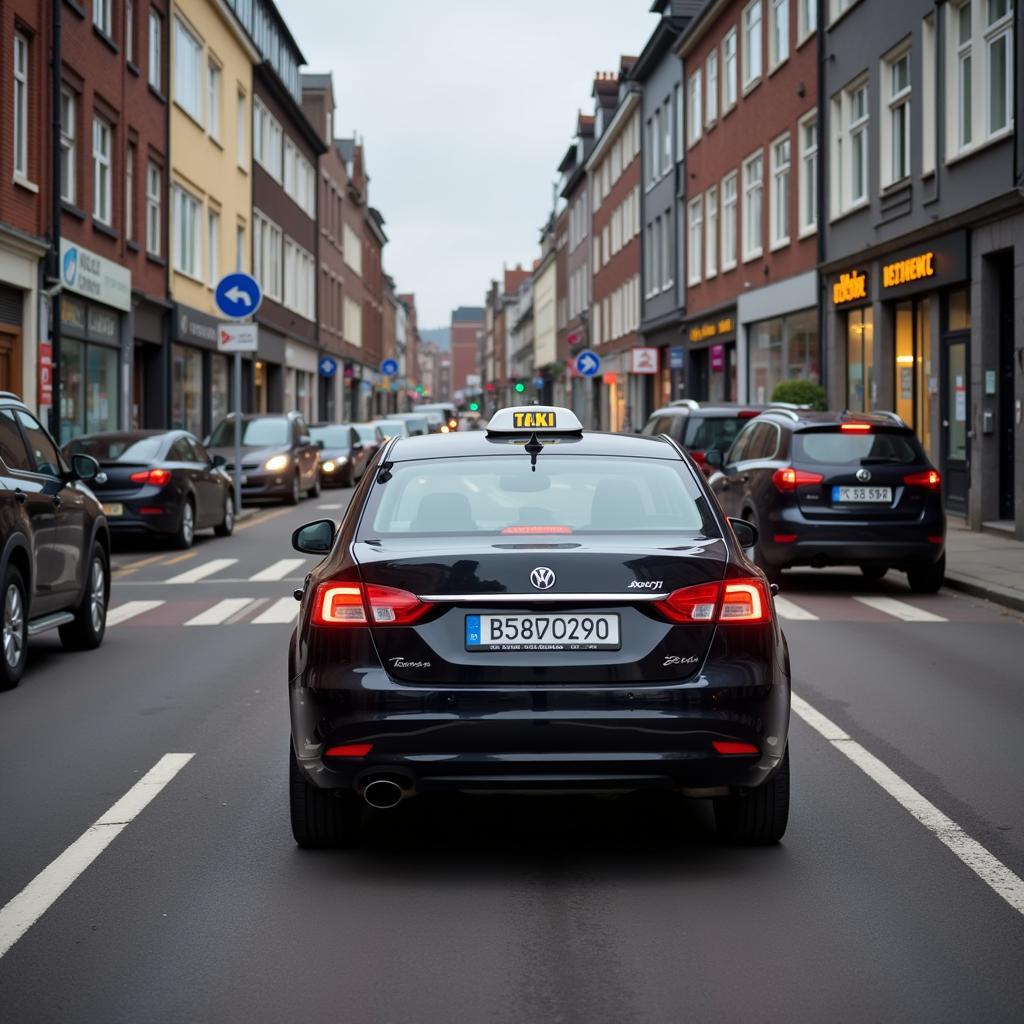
x=800, y=392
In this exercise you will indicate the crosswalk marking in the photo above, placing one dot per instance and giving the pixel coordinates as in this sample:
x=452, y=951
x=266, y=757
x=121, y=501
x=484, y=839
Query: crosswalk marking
x=899, y=609
x=282, y=610
x=789, y=610
x=329, y=508
x=278, y=570
x=200, y=572
x=220, y=612
x=129, y=610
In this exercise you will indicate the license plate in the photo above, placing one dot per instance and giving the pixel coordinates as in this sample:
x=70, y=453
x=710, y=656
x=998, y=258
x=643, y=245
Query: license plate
x=574, y=632
x=864, y=495
x=113, y=509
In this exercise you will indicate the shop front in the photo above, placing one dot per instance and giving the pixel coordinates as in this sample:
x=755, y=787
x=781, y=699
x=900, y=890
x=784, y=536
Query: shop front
x=711, y=357
x=300, y=379
x=149, y=366
x=20, y=257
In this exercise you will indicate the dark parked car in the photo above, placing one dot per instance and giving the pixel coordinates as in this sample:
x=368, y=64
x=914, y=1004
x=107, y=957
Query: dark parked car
x=344, y=454
x=279, y=458
x=836, y=488
x=701, y=427
x=160, y=482
x=54, y=543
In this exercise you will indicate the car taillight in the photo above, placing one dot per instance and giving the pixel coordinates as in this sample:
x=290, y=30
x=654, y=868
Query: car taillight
x=353, y=604
x=854, y=427
x=698, y=457
x=743, y=600
x=929, y=479
x=789, y=479
x=151, y=476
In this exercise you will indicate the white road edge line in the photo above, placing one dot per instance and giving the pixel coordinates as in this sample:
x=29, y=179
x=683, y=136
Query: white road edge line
x=899, y=609
x=992, y=871
x=17, y=916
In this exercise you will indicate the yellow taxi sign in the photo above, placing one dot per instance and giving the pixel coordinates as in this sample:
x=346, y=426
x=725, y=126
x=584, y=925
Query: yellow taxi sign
x=534, y=418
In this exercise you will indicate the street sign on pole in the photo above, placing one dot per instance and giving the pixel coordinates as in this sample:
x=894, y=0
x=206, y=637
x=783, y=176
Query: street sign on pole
x=389, y=367
x=238, y=296
x=588, y=363
x=328, y=366
x=237, y=338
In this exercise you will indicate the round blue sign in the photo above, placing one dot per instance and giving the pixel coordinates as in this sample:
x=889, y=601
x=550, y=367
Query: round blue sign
x=389, y=367
x=238, y=296
x=588, y=363
x=328, y=366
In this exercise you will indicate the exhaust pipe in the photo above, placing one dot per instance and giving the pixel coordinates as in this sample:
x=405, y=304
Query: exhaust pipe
x=383, y=794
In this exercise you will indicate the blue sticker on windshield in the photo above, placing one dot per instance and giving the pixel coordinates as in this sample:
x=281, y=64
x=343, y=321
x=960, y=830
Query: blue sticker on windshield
x=472, y=629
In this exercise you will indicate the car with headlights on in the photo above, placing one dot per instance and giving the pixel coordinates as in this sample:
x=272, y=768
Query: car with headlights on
x=279, y=457
x=344, y=454
x=535, y=607
x=391, y=428
x=447, y=412
x=416, y=423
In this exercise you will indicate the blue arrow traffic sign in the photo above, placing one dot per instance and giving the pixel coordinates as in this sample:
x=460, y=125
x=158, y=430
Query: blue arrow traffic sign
x=328, y=366
x=389, y=367
x=238, y=295
x=588, y=363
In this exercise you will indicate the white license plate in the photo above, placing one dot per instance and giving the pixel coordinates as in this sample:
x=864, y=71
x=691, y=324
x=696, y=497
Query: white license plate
x=565, y=632
x=864, y=495
x=113, y=509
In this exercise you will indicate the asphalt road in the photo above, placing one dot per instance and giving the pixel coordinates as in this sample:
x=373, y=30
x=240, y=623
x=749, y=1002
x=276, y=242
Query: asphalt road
x=512, y=910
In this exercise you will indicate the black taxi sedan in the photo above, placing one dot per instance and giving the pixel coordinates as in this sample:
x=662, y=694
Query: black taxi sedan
x=535, y=607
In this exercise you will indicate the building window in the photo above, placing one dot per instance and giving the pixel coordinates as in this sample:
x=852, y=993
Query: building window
x=998, y=51
x=101, y=15
x=808, y=134
x=680, y=138
x=240, y=119
x=267, y=140
x=188, y=71
x=187, y=388
x=656, y=256
x=299, y=277
x=695, y=241
x=783, y=348
x=666, y=137
x=154, y=202
x=752, y=44
x=695, y=111
x=807, y=20
x=101, y=170
x=187, y=232
x=155, y=70
x=240, y=247
x=860, y=357
x=352, y=248
x=729, y=214
x=729, y=70
x=20, y=105
x=667, y=277
x=896, y=140
x=213, y=100
x=711, y=103
x=711, y=246
x=850, y=148
x=68, y=153
x=266, y=256
x=837, y=8
x=928, y=128
x=753, y=206
x=129, y=31
x=778, y=32
x=212, y=247
x=129, y=194
x=780, y=153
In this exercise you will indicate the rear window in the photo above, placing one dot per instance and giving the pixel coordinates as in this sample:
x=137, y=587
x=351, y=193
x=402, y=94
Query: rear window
x=838, y=449
x=566, y=494
x=393, y=428
x=255, y=433
x=124, y=448
x=712, y=433
x=366, y=432
x=336, y=436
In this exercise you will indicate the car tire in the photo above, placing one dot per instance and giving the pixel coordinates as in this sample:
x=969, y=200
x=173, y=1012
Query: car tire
x=15, y=629
x=874, y=572
x=185, y=534
x=314, y=491
x=758, y=817
x=226, y=526
x=321, y=818
x=90, y=623
x=928, y=579
x=294, y=496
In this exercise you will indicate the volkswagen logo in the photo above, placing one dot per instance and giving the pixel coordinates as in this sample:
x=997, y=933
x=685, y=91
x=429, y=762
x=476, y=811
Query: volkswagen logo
x=863, y=475
x=542, y=577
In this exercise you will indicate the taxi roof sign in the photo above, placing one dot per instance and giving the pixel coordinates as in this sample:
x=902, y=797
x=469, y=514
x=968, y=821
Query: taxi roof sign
x=530, y=419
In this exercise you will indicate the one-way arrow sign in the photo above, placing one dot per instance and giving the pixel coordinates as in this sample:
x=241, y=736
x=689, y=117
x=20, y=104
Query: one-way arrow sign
x=588, y=363
x=238, y=295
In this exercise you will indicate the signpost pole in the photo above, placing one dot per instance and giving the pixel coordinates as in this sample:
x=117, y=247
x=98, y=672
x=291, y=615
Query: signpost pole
x=238, y=433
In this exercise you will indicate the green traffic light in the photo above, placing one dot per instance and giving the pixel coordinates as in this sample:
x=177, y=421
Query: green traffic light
x=474, y=406
x=520, y=387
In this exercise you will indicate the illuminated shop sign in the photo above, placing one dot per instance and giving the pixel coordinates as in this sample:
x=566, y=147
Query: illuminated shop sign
x=712, y=329
x=850, y=287
x=913, y=268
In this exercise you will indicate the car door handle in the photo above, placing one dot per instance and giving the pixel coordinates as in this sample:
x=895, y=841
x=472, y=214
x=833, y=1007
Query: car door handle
x=20, y=496
x=57, y=501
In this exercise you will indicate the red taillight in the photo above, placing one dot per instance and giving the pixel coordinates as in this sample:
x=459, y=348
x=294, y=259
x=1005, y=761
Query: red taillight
x=744, y=600
x=352, y=604
x=749, y=414
x=730, y=747
x=350, y=750
x=536, y=529
x=151, y=476
x=853, y=427
x=151, y=510
x=929, y=479
x=789, y=479
x=785, y=538
x=698, y=457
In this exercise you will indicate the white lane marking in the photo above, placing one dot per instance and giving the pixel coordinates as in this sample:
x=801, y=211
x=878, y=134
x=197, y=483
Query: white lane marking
x=128, y=610
x=992, y=871
x=789, y=610
x=278, y=570
x=899, y=609
x=284, y=609
x=42, y=892
x=200, y=572
x=329, y=508
x=220, y=612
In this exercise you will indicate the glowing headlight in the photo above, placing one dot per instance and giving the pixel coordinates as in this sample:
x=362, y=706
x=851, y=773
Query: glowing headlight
x=445, y=430
x=276, y=464
x=328, y=467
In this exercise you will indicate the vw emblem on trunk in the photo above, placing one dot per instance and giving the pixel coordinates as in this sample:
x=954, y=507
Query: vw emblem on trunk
x=542, y=577
x=863, y=475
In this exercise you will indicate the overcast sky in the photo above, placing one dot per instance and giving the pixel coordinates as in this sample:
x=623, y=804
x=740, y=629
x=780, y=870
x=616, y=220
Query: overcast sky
x=466, y=108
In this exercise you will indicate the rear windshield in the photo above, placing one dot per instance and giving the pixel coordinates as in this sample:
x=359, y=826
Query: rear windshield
x=335, y=436
x=566, y=494
x=366, y=432
x=838, y=449
x=393, y=428
x=707, y=433
x=124, y=448
x=255, y=433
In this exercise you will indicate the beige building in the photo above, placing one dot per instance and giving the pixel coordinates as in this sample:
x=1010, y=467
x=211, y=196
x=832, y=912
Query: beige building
x=211, y=76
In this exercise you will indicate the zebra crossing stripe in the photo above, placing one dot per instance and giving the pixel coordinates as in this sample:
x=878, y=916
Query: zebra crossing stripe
x=282, y=610
x=789, y=610
x=277, y=571
x=899, y=609
x=129, y=610
x=200, y=572
x=220, y=612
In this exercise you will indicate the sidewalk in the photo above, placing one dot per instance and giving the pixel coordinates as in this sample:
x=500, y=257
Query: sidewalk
x=985, y=566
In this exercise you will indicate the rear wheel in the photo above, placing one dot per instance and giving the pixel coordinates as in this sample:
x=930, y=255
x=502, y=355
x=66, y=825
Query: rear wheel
x=314, y=491
x=226, y=527
x=295, y=494
x=186, y=532
x=15, y=630
x=928, y=579
x=321, y=818
x=759, y=817
x=86, y=632
x=874, y=572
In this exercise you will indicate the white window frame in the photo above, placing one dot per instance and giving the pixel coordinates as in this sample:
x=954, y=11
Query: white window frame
x=845, y=131
x=240, y=248
x=806, y=20
x=730, y=220
x=129, y=31
x=102, y=171
x=807, y=185
x=679, y=119
x=20, y=101
x=268, y=255
x=695, y=108
x=667, y=275
x=730, y=77
x=999, y=31
x=188, y=80
x=711, y=94
x=778, y=42
x=753, y=212
x=154, y=73
x=711, y=232
x=929, y=132
x=752, y=57
x=129, y=193
x=102, y=16
x=896, y=113
x=68, y=145
x=780, y=203
x=185, y=202
x=241, y=135
x=666, y=137
x=214, y=77
x=837, y=8
x=695, y=241
x=154, y=205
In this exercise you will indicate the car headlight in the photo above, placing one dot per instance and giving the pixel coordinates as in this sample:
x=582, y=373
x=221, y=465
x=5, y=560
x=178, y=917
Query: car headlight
x=445, y=430
x=276, y=464
x=328, y=466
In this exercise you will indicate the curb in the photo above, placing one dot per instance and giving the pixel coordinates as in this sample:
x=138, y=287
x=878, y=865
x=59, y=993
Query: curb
x=989, y=591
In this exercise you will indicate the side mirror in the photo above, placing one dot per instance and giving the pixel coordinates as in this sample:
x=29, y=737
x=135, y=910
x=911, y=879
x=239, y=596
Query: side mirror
x=316, y=538
x=746, y=533
x=714, y=458
x=84, y=467
x=218, y=461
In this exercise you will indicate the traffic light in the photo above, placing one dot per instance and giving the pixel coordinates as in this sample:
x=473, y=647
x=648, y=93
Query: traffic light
x=474, y=406
x=520, y=387
x=419, y=389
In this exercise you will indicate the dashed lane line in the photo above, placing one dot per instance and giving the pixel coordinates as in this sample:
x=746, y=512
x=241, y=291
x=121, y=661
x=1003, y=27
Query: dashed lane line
x=220, y=612
x=257, y=519
x=129, y=610
x=992, y=871
x=123, y=570
x=181, y=558
x=202, y=571
x=17, y=916
x=278, y=570
x=788, y=610
x=283, y=610
x=899, y=609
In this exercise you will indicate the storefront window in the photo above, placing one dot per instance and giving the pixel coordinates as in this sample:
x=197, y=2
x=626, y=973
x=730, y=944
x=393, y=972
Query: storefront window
x=89, y=388
x=914, y=367
x=784, y=348
x=304, y=393
x=860, y=354
x=959, y=310
x=72, y=389
x=187, y=401
x=765, y=350
x=220, y=389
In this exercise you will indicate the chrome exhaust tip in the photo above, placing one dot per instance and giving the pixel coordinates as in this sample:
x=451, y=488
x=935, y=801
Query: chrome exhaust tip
x=383, y=794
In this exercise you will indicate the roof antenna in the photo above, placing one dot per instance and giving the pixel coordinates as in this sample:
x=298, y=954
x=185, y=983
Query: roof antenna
x=533, y=449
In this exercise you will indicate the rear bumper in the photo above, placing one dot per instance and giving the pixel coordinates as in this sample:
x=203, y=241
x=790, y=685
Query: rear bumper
x=133, y=521
x=268, y=485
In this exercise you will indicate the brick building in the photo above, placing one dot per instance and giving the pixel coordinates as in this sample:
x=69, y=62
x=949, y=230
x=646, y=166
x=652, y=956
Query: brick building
x=374, y=241
x=412, y=341
x=467, y=325
x=562, y=388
